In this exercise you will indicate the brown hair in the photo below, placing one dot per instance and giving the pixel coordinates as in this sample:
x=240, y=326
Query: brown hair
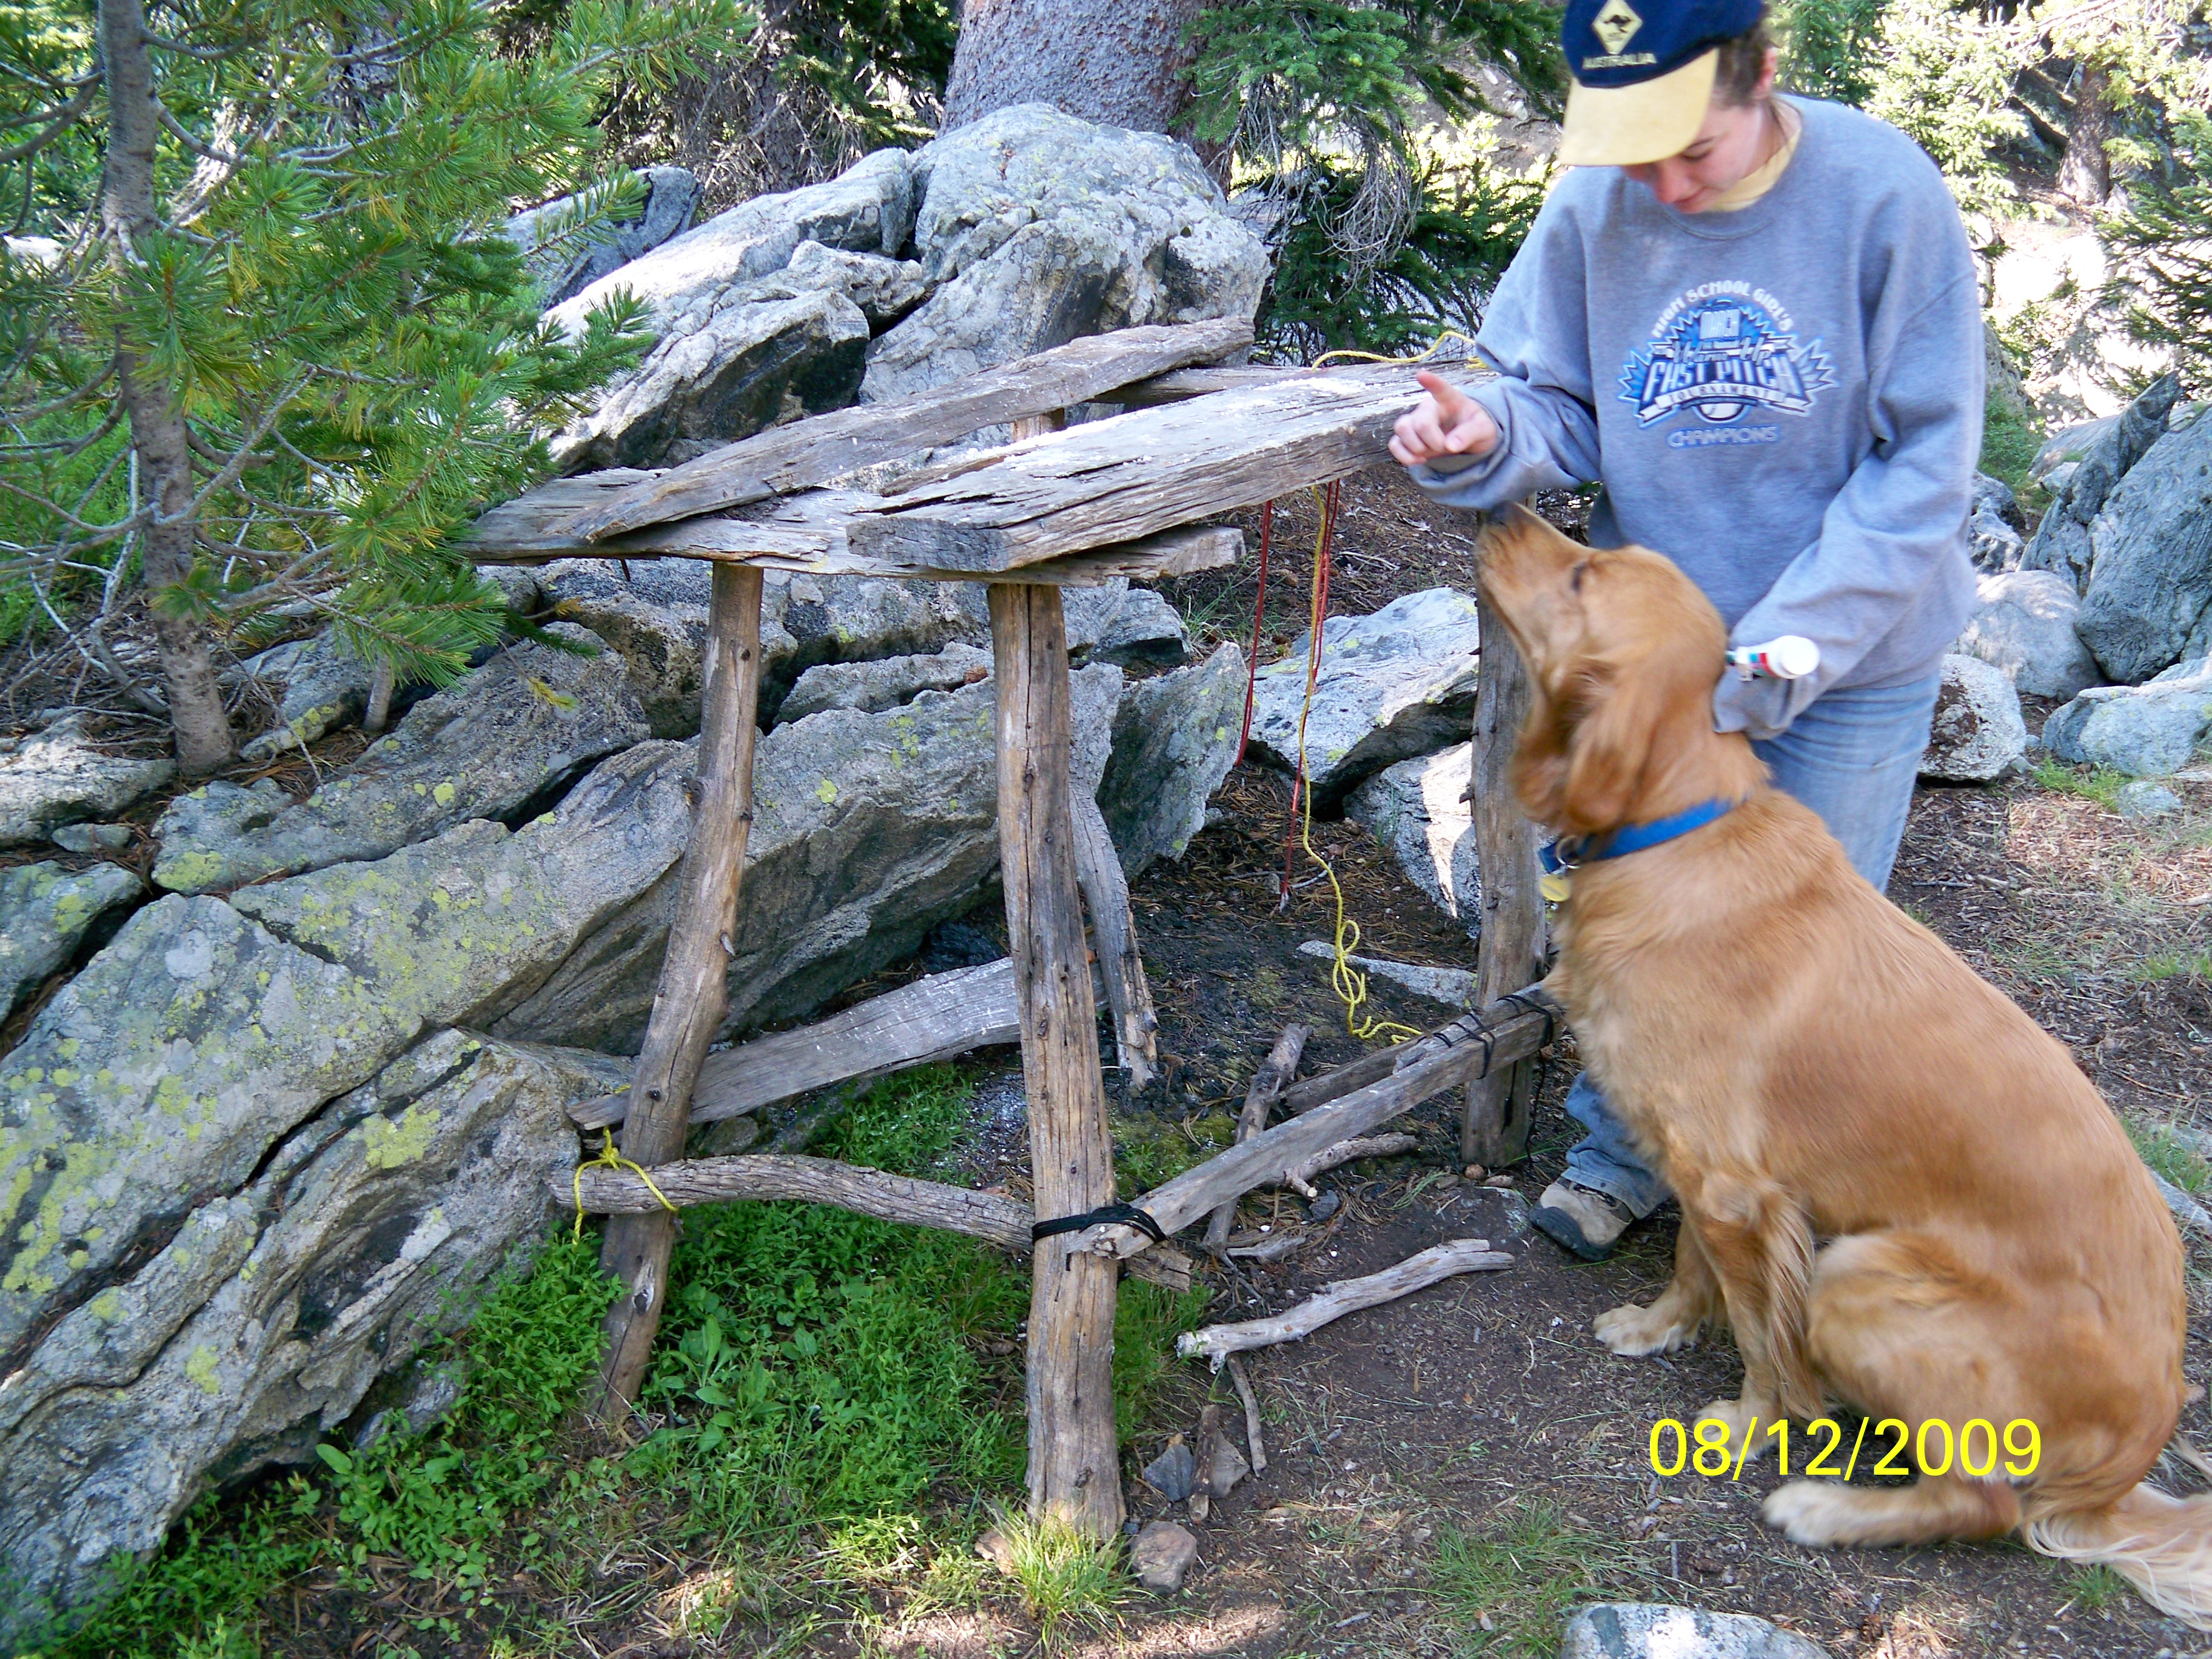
x=1742, y=61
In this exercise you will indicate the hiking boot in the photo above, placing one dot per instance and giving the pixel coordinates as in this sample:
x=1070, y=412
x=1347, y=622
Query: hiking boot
x=1581, y=1218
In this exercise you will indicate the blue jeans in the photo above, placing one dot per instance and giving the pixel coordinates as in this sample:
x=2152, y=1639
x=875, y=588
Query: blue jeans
x=1852, y=757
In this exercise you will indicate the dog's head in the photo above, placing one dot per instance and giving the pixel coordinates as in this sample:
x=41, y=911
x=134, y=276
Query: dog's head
x=1622, y=653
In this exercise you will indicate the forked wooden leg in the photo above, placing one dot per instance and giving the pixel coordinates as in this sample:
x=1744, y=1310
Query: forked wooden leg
x=694, y=991
x=1508, y=954
x=1074, y=1471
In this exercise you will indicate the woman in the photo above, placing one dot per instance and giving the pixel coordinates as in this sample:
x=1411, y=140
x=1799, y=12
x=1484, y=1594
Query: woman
x=1756, y=320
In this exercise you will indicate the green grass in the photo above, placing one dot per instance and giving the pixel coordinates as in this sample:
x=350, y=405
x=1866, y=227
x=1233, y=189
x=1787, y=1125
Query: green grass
x=2172, y=1157
x=1064, y=1578
x=2008, y=446
x=2101, y=784
x=2095, y=1589
x=835, y=1428
x=1526, y=1570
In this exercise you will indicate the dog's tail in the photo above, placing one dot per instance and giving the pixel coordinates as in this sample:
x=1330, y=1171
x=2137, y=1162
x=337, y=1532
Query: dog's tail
x=2161, y=1544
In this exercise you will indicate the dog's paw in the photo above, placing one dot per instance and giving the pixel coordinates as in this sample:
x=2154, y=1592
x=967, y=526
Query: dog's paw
x=1633, y=1332
x=1741, y=1420
x=1814, y=1512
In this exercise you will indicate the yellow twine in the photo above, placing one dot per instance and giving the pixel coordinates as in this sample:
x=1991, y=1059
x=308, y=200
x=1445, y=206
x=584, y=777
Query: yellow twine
x=609, y=1158
x=1349, y=983
x=1435, y=346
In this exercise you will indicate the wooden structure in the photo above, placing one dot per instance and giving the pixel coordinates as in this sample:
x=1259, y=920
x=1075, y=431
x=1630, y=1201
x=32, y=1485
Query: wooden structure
x=1120, y=496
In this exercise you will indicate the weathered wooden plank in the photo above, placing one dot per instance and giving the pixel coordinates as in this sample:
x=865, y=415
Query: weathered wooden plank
x=1415, y=1272
x=694, y=988
x=1001, y=1221
x=1371, y=1067
x=1180, y=385
x=933, y=1018
x=1508, y=950
x=1138, y=473
x=1074, y=1466
x=1268, y=1083
x=1445, y=1057
x=1106, y=893
x=787, y=459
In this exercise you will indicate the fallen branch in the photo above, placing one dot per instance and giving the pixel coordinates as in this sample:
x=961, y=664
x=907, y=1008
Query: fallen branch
x=1251, y=1413
x=1345, y=1152
x=1268, y=1083
x=1000, y=1221
x=1453, y=1054
x=1461, y=1256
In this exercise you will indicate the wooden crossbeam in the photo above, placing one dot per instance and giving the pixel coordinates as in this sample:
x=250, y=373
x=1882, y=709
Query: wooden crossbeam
x=785, y=459
x=1487, y=1040
x=1139, y=473
x=756, y=1176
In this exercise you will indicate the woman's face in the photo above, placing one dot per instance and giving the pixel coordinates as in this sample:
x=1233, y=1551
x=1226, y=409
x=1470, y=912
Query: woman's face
x=1732, y=142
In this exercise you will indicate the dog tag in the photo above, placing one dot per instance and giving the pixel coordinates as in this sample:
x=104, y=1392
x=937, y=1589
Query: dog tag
x=1554, y=886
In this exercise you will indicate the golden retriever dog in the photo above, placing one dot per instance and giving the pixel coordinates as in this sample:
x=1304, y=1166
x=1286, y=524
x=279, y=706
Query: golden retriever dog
x=1896, y=1190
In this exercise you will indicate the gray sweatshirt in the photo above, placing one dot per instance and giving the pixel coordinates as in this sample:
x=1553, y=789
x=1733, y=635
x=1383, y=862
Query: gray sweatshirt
x=1786, y=400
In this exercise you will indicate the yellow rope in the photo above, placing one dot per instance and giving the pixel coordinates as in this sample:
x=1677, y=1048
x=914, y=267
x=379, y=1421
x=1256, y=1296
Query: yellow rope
x=1346, y=981
x=609, y=1158
x=1435, y=346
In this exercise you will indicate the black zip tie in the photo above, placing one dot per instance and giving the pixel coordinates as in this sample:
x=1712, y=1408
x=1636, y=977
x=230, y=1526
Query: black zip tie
x=1075, y=1224
x=1533, y=1003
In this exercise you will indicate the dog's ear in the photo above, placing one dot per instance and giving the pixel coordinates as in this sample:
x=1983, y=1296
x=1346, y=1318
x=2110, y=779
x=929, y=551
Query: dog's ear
x=1539, y=767
x=1606, y=750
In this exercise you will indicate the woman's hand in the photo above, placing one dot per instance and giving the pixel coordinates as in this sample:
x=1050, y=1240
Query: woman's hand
x=1445, y=422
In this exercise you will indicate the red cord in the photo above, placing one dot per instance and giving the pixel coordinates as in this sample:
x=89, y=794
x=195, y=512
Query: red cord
x=1259, y=620
x=1332, y=500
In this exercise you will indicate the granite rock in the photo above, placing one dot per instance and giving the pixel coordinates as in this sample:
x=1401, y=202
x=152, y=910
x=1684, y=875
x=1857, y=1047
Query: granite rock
x=1174, y=738
x=2149, y=593
x=2023, y=623
x=2149, y=731
x=1419, y=812
x=1978, y=733
x=46, y=914
x=60, y=777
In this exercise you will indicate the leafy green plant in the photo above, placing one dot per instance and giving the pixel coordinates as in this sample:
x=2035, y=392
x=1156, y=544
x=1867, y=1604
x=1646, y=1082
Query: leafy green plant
x=1945, y=76
x=2165, y=237
x=1829, y=47
x=2101, y=784
x=2009, y=443
x=2171, y=1155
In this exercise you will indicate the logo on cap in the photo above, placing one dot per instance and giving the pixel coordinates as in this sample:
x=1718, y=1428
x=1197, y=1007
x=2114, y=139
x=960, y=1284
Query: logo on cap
x=1616, y=25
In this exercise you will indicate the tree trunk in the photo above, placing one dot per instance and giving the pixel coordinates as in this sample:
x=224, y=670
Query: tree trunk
x=1116, y=62
x=2086, y=172
x=157, y=427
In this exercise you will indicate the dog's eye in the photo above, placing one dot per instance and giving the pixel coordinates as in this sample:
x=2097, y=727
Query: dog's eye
x=1576, y=578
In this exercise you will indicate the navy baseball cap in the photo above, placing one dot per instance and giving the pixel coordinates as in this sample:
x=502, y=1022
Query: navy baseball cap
x=1643, y=75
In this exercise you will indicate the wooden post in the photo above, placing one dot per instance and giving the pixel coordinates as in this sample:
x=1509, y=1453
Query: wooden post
x=1074, y=1471
x=1510, y=952
x=694, y=991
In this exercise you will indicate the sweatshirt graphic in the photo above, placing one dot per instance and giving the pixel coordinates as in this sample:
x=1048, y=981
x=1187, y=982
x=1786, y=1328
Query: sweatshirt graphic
x=1786, y=400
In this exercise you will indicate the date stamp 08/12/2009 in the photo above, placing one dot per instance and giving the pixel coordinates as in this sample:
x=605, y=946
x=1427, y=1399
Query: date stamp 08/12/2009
x=1975, y=1447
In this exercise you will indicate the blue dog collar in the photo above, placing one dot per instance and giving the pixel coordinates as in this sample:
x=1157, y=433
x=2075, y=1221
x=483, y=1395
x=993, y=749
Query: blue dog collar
x=1566, y=853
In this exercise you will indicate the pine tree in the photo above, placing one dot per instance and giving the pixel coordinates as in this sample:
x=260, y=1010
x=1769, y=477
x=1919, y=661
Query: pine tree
x=275, y=351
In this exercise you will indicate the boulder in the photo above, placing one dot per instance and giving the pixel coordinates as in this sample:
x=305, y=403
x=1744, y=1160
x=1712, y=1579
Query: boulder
x=1143, y=631
x=2149, y=731
x=884, y=290
x=888, y=683
x=321, y=686
x=655, y=619
x=1977, y=734
x=208, y=1030
x=1454, y=988
x=508, y=737
x=2063, y=542
x=253, y=1320
x=1417, y=810
x=60, y=776
x=94, y=837
x=1393, y=684
x=2150, y=581
x=1174, y=738
x=1034, y=227
x=748, y=365
x=46, y=913
x=566, y=261
x=868, y=829
x=867, y=209
x=1996, y=540
x=2023, y=623
x=1653, y=1630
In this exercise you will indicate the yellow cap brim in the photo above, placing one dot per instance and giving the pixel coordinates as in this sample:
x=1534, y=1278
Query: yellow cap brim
x=1626, y=126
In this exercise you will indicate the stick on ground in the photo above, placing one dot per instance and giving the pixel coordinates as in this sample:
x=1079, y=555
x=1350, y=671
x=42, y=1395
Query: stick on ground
x=1345, y=1152
x=1268, y=1084
x=1251, y=1413
x=1461, y=1256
